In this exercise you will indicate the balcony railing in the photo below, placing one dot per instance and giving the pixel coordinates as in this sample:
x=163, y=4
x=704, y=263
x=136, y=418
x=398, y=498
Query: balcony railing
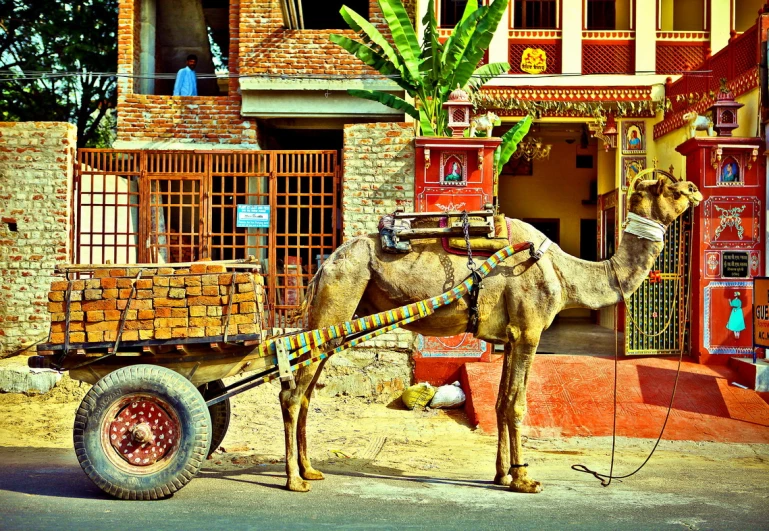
x=681, y=50
x=608, y=52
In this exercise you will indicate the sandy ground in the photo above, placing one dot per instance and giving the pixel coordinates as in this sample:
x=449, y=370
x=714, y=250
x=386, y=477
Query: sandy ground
x=354, y=434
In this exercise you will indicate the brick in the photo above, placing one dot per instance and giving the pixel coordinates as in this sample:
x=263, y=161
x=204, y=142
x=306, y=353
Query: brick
x=99, y=305
x=169, y=322
x=225, y=280
x=78, y=285
x=192, y=281
x=130, y=335
x=182, y=272
x=140, y=325
x=244, y=297
x=100, y=273
x=146, y=334
x=95, y=337
x=235, y=308
x=179, y=312
x=77, y=337
x=177, y=293
x=55, y=317
x=102, y=326
x=198, y=311
x=214, y=311
x=143, y=283
x=210, y=290
x=195, y=331
x=59, y=285
x=159, y=292
x=241, y=319
x=124, y=293
x=57, y=338
x=205, y=321
x=179, y=332
x=124, y=283
x=214, y=268
x=92, y=294
x=113, y=315
x=109, y=294
x=141, y=305
x=161, y=281
x=248, y=328
x=176, y=282
x=108, y=283
x=110, y=335
x=165, y=271
x=94, y=316
x=146, y=314
x=243, y=278
x=93, y=283
x=213, y=331
x=245, y=288
x=162, y=333
x=170, y=303
x=247, y=307
x=143, y=294
x=198, y=268
x=204, y=301
x=163, y=312
x=194, y=291
x=56, y=295
x=117, y=272
x=210, y=280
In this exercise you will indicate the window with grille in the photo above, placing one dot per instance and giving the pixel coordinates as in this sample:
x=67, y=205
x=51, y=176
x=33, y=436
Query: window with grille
x=535, y=14
x=451, y=12
x=601, y=14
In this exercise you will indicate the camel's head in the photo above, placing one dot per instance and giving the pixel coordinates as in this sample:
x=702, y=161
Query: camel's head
x=663, y=200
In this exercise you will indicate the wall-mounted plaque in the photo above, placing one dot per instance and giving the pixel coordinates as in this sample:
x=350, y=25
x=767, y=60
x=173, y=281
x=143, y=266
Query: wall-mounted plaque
x=735, y=264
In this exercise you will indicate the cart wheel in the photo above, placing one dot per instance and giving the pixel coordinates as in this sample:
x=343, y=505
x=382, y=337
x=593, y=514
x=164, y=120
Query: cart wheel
x=142, y=432
x=220, y=413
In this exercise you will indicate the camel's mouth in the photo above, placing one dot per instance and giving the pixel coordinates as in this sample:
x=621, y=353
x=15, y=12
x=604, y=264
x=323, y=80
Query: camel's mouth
x=695, y=199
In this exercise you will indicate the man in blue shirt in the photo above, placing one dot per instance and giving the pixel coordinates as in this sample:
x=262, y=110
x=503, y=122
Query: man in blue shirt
x=186, y=82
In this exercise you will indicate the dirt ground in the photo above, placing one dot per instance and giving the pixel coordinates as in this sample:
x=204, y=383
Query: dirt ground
x=354, y=434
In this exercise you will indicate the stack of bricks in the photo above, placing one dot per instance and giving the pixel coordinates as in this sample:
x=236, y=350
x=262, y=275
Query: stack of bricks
x=165, y=303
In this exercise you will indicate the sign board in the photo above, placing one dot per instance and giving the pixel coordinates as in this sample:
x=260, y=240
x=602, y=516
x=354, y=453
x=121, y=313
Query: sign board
x=254, y=216
x=735, y=264
x=761, y=311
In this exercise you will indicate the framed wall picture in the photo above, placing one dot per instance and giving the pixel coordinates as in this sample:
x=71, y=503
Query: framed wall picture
x=729, y=172
x=454, y=169
x=633, y=137
x=631, y=166
x=519, y=166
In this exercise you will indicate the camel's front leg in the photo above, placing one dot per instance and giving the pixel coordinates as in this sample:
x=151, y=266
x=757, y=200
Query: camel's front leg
x=511, y=409
x=294, y=404
x=305, y=468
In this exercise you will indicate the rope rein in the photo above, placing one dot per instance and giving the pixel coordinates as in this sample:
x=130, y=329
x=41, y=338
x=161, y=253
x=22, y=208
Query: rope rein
x=606, y=479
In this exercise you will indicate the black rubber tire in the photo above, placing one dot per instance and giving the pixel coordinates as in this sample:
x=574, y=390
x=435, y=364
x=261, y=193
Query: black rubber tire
x=220, y=413
x=179, y=399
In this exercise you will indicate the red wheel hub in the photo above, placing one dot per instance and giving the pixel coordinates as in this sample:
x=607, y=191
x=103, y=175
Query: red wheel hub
x=142, y=433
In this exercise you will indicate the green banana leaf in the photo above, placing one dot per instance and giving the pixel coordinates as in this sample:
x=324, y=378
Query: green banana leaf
x=481, y=39
x=486, y=72
x=363, y=27
x=432, y=49
x=510, y=141
x=403, y=34
x=376, y=61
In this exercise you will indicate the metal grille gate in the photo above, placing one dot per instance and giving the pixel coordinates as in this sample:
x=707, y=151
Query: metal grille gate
x=657, y=313
x=178, y=206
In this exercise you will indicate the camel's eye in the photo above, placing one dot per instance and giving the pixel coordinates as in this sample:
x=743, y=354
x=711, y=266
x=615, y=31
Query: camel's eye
x=691, y=188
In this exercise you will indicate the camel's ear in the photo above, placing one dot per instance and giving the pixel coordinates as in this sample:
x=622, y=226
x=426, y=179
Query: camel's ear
x=660, y=186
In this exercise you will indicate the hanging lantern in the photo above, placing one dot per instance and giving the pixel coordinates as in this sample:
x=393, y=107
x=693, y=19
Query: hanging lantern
x=458, y=108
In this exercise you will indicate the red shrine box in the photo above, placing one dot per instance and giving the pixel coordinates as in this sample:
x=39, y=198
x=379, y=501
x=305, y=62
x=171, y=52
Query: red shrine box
x=728, y=247
x=452, y=174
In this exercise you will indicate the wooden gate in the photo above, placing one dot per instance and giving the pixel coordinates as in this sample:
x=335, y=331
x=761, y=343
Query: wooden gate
x=656, y=314
x=179, y=206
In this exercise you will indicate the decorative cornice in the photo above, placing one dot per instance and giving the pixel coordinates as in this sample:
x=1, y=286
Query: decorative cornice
x=586, y=94
x=608, y=35
x=533, y=34
x=678, y=36
x=739, y=85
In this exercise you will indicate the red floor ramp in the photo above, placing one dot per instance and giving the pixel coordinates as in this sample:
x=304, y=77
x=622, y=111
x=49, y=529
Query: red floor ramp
x=572, y=396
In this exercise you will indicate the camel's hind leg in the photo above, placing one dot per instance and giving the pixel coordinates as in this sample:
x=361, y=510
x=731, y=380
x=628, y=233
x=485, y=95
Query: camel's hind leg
x=337, y=296
x=511, y=408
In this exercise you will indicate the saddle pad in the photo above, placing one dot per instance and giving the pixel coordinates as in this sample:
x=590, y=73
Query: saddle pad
x=481, y=246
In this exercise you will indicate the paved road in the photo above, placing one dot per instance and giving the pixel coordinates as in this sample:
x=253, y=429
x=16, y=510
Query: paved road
x=45, y=489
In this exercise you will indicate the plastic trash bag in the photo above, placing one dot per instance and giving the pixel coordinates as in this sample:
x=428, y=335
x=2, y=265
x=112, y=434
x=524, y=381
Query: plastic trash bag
x=448, y=396
x=418, y=395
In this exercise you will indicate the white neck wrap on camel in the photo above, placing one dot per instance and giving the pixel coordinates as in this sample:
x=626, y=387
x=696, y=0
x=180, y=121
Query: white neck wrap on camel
x=645, y=228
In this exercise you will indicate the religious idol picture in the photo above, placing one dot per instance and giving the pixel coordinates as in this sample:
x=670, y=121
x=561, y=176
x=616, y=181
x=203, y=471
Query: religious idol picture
x=454, y=169
x=729, y=173
x=633, y=137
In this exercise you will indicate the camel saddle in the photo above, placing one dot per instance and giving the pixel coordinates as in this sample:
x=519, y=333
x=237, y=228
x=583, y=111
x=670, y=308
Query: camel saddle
x=488, y=233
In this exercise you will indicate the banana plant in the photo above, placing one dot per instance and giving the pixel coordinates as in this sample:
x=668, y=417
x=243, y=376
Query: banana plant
x=510, y=141
x=428, y=73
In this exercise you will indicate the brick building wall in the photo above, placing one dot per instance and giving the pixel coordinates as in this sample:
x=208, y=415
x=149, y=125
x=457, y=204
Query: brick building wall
x=378, y=163
x=186, y=120
x=36, y=162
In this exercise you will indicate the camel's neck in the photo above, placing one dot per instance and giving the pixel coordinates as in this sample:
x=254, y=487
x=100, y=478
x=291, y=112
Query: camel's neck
x=594, y=284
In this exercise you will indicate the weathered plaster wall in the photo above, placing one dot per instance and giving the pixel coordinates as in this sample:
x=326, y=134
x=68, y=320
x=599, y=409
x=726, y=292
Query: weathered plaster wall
x=36, y=161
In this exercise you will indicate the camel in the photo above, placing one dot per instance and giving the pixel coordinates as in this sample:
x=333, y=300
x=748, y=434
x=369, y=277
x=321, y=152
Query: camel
x=519, y=300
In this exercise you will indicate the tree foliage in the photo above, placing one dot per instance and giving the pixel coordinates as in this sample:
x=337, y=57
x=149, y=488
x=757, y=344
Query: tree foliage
x=51, y=57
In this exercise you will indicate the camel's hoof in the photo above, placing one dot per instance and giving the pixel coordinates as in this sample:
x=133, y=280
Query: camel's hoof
x=313, y=474
x=298, y=485
x=503, y=479
x=526, y=486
